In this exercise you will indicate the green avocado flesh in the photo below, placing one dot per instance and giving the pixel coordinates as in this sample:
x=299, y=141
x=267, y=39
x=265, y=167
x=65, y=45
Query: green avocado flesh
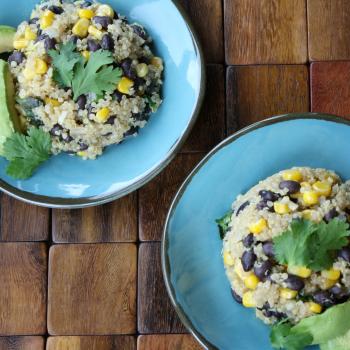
x=9, y=120
x=340, y=343
x=7, y=35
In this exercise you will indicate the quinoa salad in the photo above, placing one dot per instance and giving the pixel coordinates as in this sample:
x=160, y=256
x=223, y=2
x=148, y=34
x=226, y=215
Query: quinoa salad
x=116, y=57
x=286, y=247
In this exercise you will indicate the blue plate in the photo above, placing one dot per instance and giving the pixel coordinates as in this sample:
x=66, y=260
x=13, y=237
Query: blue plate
x=191, y=249
x=66, y=181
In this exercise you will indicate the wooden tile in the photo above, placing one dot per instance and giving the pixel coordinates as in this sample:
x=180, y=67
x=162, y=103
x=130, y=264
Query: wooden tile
x=265, y=31
x=92, y=289
x=210, y=127
x=22, y=222
x=113, y=222
x=155, y=198
x=22, y=343
x=91, y=343
x=23, y=281
x=155, y=311
x=330, y=89
x=207, y=18
x=256, y=92
x=167, y=342
x=329, y=31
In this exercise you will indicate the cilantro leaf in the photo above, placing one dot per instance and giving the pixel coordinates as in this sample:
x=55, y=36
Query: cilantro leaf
x=95, y=76
x=224, y=224
x=311, y=244
x=64, y=61
x=26, y=153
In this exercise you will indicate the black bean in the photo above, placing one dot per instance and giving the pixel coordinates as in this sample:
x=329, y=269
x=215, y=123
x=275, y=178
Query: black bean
x=81, y=101
x=268, y=312
x=139, y=83
x=17, y=57
x=140, y=31
x=108, y=134
x=144, y=60
x=132, y=131
x=269, y=196
x=339, y=293
x=263, y=205
x=107, y=43
x=248, y=260
x=263, y=270
x=344, y=253
x=56, y=130
x=57, y=10
x=93, y=45
x=50, y=44
x=111, y=120
x=116, y=16
x=236, y=296
x=117, y=96
x=83, y=146
x=103, y=21
x=141, y=117
x=67, y=138
x=268, y=249
x=74, y=39
x=294, y=282
x=323, y=298
x=333, y=213
x=248, y=240
x=127, y=69
x=291, y=186
x=41, y=37
x=34, y=20
x=242, y=207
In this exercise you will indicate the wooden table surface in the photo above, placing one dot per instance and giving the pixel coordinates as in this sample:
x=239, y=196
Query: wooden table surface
x=91, y=279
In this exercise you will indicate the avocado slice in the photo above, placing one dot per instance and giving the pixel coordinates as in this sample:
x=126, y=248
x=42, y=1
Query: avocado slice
x=7, y=35
x=9, y=119
x=340, y=343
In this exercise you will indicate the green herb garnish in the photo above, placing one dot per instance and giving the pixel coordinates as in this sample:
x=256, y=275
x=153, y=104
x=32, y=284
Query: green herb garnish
x=26, y=153
x=224, y=224
x=97, y=75
x=310, y=244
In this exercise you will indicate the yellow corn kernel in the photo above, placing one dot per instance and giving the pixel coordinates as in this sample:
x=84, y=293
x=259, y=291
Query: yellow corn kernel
x=86, y=54
x=287, y=293
x=281, y=208
x=142, y=70
x=52, y=102
x=156, y=61
x=98, y=34
x=86, y=13
x=300, y=271
x=28, y=73
x=80, y=28
x=125, y=85
x=29, y=34
x=323, y=188
x=310, y=197
x=105, y=10
x=331, y=274
x=305, y=185
x=294, y=175
x=40, y=66
x=258, y=226
x=228, y=259
x=82, y=154
x=248, y=299
x=102, y=115
x=315, y=308
x=20, y=43
x=251, y=282
x=307, y=214
x=297, y=195
x=47, y=19
x=326, y=284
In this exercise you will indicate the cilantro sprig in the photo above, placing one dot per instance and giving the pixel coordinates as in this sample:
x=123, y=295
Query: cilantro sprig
x=96, y=76
x=311, y=244
x=224, y=224
x=26, y=153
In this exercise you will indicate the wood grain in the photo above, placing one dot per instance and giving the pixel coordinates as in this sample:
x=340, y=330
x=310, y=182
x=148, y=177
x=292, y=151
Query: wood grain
x=256, y=92
x=265, y=31
x=210, y=127
x=155, y=198
x=23, y=281
x=92, y=289
x=22, y=343
x=330, y=88
x=91, y=343
x=113, y=222
x=207, y=18
x=329, y=30
x=155, y=312
x=167, y=342
x=22, y=222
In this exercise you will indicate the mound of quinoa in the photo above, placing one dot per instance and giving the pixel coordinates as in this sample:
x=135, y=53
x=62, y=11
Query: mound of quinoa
x=281, y=292
x=73, y=125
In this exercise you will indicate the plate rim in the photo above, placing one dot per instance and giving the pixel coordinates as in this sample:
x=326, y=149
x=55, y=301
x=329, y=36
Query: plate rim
x=165, y=261
x=84, y=202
